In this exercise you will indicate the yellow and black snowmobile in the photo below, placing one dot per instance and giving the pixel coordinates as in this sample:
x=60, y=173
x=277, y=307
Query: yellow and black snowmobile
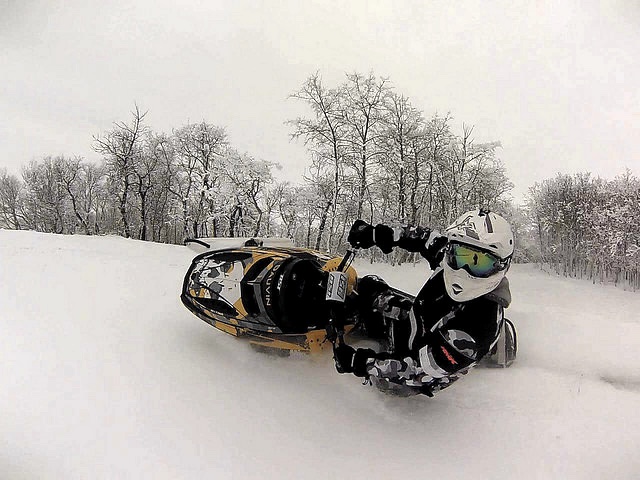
x=280, y=297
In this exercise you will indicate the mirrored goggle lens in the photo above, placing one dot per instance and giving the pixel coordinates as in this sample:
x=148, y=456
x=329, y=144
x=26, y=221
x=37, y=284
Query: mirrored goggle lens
x=476, y=262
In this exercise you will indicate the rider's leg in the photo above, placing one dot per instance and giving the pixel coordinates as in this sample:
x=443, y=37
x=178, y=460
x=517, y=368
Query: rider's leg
x=385, y=313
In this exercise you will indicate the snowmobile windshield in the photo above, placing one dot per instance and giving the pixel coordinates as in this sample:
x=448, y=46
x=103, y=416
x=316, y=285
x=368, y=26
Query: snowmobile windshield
x=478, y=263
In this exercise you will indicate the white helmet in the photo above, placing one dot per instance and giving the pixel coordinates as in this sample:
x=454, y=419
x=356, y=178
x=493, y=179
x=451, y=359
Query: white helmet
x=478, y=255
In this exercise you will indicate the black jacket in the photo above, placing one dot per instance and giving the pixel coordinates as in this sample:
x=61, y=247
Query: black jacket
x=436, y=339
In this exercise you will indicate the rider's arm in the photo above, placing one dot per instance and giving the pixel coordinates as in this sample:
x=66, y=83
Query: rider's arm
x=405, y=373
x=427, y=242
x=458, y=344
x=446, y=354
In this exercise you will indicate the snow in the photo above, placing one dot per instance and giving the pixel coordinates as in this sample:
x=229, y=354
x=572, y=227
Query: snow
x=104, y=374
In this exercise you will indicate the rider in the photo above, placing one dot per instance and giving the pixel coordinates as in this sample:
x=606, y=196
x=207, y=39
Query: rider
x=456, y=317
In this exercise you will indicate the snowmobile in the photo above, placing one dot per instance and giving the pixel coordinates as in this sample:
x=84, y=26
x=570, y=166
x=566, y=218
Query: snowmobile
x=276, y=295
x=284, y=298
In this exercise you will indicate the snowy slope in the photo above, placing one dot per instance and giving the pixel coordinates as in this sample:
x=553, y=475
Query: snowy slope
x=104, y=374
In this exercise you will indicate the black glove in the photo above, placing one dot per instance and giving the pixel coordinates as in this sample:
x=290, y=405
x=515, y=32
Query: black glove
x=384, y=238
x=334, y=330
x=434, y=251
x=364, y=235
x=361, y=235
x=349, y=360
x=343, y=356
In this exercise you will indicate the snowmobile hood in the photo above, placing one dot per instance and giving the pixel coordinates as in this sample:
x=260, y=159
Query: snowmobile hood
x=501, y=294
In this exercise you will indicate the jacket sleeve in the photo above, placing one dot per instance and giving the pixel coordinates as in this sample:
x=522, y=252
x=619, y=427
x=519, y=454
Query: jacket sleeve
x=428, y=242
x=412, y=239
x=405, y=375
x=448, y=353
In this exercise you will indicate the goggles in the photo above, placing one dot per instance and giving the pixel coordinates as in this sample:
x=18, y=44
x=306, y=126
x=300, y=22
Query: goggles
x=477, y=262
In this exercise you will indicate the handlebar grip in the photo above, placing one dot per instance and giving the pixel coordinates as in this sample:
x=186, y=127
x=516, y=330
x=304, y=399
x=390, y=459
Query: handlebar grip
x=346, y=260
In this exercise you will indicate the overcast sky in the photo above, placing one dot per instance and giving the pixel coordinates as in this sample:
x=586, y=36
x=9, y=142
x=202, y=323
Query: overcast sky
x=558, y=83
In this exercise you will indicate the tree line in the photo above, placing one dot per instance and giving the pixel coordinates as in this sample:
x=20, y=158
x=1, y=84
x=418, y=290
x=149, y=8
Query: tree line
x=149, y=185
x=373, y=155
x=588, y=227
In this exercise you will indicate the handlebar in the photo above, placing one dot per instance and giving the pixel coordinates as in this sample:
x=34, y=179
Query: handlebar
x=187, y=241
x=346, y=260
x=336, y=293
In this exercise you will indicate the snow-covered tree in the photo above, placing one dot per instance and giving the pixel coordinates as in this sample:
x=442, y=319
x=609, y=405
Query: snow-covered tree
x=403, y=126
x=364, y=115
x=588, y=226
x=325, y=134
x=11, y=201
x=46, y=198
x=246, y=182
x=200, y=149
x=121, y=148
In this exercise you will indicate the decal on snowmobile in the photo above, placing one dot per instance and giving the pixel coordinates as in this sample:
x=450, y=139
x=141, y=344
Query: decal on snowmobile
x=269, y=283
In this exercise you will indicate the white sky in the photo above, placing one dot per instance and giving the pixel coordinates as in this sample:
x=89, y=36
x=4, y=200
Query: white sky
x=558, y=83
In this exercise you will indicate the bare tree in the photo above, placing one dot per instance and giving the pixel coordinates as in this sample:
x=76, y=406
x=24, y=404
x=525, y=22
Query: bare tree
x=46, y=197
x=363, y=117
x=248, y=178
x=70, y=175
x=321, y=187
x=325, y=135
x=200, y=149
x=271, y=201
x=288, y=207
x=180, y=178
x=427, y=153
x=121, y=147
x=10, y=200
x=147, y=177
x=91, y=189
x=403, y=126
x=463, y=172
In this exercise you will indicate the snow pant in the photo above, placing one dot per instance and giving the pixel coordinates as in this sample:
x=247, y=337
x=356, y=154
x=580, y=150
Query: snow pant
x=384, y=314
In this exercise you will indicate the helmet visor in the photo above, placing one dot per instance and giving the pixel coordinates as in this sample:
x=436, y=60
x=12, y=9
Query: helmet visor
x=477, y=262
